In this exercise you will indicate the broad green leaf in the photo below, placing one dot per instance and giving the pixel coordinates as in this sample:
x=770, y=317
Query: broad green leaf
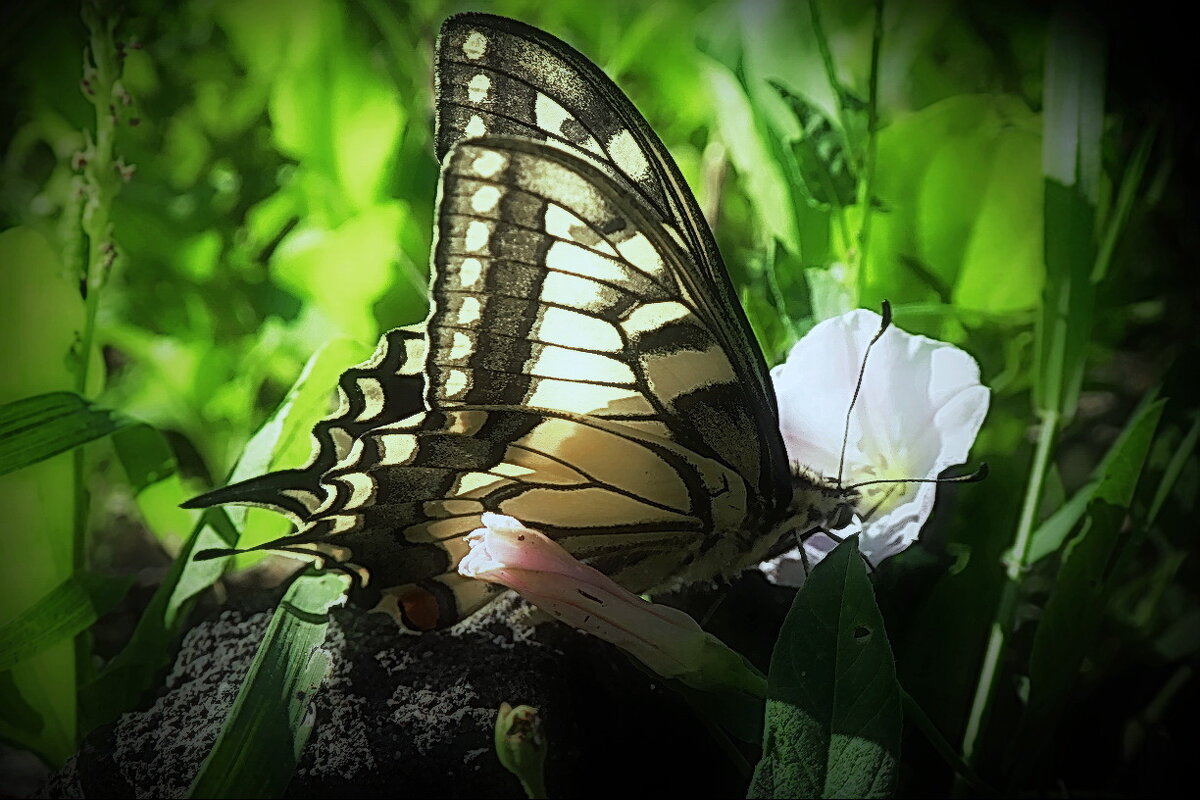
x=961, y=193
x=268, y=725
x=833, y=709
x=330, y=107
x=1114, y=479
x=37, y=428
x=41, y=314
x=154, y=478
x=313, y=263
x=70, y=608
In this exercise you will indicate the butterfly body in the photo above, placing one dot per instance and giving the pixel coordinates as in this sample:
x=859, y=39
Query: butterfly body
x=585, y=366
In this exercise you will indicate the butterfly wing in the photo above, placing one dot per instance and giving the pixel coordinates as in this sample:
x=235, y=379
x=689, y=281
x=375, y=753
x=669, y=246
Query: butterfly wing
x=587, y=368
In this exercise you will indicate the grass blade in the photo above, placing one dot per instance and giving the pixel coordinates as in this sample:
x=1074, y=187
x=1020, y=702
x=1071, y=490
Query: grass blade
x=35, y=428
x=70, y=608
x=266, y=730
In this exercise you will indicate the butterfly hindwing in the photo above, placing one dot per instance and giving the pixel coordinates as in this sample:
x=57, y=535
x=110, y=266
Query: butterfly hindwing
x=387, y=387
x=499, y=77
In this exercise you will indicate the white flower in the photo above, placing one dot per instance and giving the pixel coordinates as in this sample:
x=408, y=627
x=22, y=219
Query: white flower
x=919, y=410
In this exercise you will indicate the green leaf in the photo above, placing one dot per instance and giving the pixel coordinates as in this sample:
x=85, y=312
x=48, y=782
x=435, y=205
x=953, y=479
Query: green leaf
x=153, y=475
x=70, y=608
x=262, y=738
x=1114, y=479
x=761, y=174
x=961, y=191
x=310, y=262
x=833, y=708
x=37, y=428
x=1076, y=607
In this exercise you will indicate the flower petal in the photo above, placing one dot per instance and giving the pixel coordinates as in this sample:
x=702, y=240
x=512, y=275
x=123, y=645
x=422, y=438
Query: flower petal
x=919, y=410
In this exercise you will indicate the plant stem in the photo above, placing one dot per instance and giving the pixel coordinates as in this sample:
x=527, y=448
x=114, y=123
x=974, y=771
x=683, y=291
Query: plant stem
x=1014, y=569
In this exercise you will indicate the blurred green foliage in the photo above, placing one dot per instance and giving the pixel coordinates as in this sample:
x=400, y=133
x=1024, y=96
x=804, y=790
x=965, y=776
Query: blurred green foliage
x=276, y=189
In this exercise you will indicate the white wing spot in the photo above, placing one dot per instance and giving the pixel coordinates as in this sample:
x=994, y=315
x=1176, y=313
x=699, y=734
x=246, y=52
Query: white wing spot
x=468, y=312
x=639, y=252
x=456, y=382
x=373, y=399
x=461, y=348
x=549, y=115
x=475, y=127
x=485, y=199
x=477, y=237
x=475, y=45
x=488, y=164
x=653, y=316
x=628, y=155
x=477, y=89
x=469, y=271
x=397, y=448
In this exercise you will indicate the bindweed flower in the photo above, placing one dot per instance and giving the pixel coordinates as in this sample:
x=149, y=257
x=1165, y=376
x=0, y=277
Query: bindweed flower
x=665, y=639
x=919, y=410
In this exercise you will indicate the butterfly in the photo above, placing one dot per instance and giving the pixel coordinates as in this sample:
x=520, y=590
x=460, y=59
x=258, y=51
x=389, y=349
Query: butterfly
x=585, y=367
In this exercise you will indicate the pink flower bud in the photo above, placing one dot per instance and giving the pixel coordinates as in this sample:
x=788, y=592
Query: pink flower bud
x=665, y=639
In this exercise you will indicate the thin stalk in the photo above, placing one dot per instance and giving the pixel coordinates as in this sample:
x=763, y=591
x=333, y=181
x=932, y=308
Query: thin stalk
x=101, y=182
x=1014, y=568
x=868, y=182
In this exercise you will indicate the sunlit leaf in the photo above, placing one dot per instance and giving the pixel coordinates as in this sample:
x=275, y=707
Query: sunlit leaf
x=41, y=314
x=960, y=184
x=345, y=270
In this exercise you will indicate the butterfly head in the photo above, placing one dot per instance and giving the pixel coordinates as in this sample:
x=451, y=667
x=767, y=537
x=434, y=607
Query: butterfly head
x=820, y=503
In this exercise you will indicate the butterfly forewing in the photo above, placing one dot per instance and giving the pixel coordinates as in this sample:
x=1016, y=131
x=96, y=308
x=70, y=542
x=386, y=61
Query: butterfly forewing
x=497, y=76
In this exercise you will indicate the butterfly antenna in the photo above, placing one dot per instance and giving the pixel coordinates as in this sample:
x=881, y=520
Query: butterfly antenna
x=862, y=370
x=980, y=473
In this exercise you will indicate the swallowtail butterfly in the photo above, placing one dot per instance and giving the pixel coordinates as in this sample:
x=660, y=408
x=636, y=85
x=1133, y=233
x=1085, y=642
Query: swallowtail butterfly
x=585, y=368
